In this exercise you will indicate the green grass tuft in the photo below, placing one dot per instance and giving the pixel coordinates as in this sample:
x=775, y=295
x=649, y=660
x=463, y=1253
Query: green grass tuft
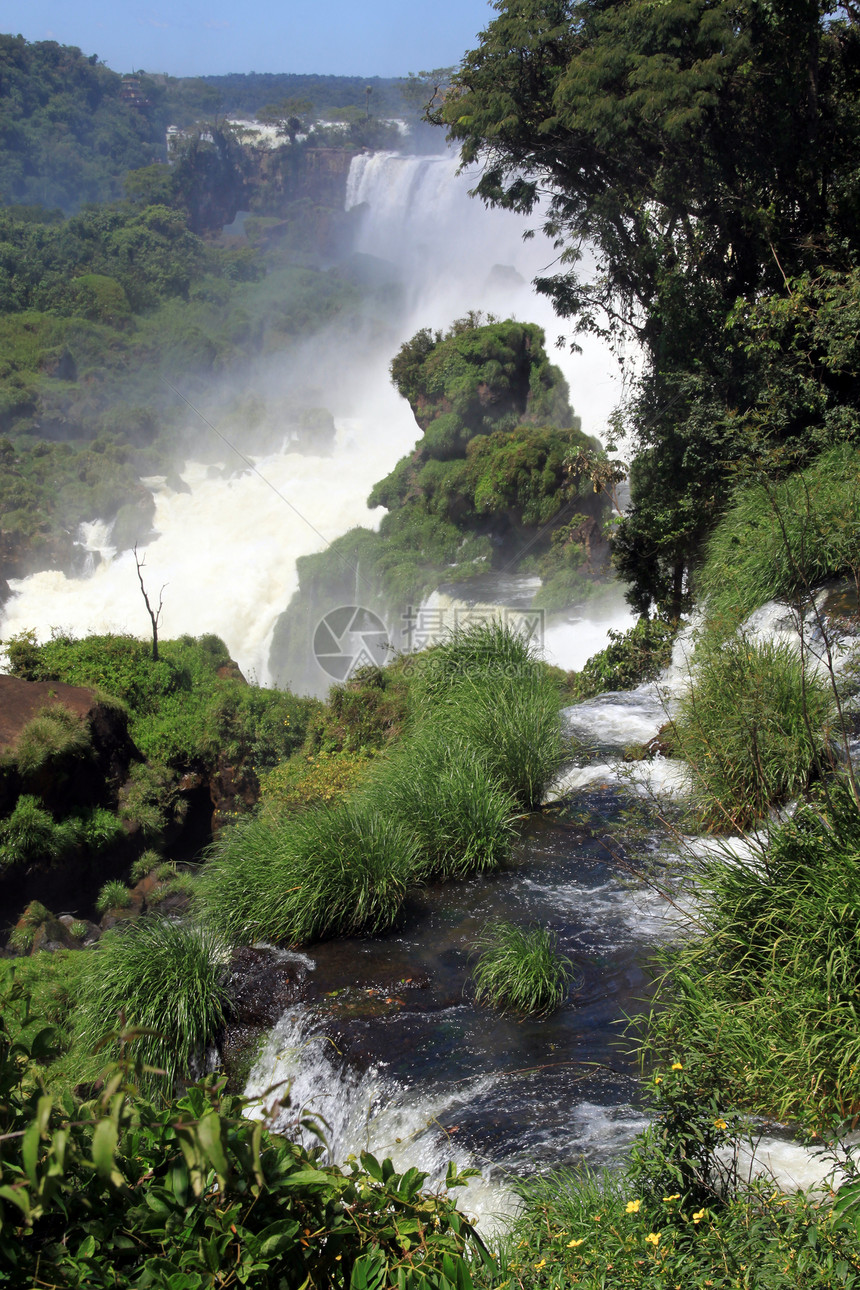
x=754, y=729
x=54, y=735
x=158, y=976
x=113, y=895
x=520, y=970
x=332, y=871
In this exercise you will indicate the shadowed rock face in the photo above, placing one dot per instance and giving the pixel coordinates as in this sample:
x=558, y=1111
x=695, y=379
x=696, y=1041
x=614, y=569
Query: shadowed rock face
x=87, y=781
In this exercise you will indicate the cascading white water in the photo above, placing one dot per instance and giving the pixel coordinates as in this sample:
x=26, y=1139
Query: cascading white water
x=227, y=549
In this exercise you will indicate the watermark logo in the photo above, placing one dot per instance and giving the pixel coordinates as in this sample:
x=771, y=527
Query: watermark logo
x=349, y=638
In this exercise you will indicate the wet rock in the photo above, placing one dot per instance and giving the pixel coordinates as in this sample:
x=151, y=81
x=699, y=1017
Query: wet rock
x=261, y=985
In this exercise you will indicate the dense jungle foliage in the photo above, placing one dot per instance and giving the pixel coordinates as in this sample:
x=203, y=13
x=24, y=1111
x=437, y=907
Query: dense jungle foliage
x=72, y=129
x=708, y=152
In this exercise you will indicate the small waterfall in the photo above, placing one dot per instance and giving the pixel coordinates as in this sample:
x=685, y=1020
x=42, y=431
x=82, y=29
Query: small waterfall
x=364, y=1110
x=94, y=540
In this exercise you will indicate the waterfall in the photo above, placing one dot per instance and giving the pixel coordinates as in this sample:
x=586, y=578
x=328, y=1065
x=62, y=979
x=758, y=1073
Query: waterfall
x=226, y=539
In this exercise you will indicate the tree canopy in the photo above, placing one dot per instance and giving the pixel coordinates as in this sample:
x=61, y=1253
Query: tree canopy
x=686, y=155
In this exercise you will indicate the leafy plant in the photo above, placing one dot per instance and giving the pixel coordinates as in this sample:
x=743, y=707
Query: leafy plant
x=520, y=970
x=113, y=895
x=640, y=654
x=98, y=829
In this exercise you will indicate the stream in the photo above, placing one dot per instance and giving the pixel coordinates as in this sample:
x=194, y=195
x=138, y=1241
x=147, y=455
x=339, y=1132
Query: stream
x=390, y=1049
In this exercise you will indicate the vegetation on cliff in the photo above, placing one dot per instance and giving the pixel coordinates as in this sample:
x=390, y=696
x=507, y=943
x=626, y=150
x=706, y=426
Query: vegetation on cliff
x=641, y=124
x=499, y=480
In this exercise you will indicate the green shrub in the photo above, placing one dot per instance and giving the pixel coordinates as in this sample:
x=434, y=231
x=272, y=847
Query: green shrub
x=339, y=870
x=753, y=727
x=144, y=865
x=99, y=829
x=520, y=970
x=312, y=780
x=180, y=709
x=161, y=977
x=79, y=929
x=148, y=798
x=640, y=654
x=366, y=713
x=113, y=895
x=782, y=538
x=764, y=995
x=439, y=788
x=53, y=736
x=31, y=835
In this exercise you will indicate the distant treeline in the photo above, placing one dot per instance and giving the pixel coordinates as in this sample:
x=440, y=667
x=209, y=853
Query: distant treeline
x=246, y=94
x=71, y=129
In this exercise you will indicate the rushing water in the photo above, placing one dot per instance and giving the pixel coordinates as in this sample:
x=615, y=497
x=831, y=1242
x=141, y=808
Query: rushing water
x=389, y=1047
x=226, y=540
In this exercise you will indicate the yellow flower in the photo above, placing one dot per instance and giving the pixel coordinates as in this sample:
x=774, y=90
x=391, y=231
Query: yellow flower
x=659, y=1079
x=676, y=1196
x=540, y=1265
x=571, y=1245
x=633, y=1206
x=720, y=1124
x=653, y=1238
x=699, y=1215
x=677, y=1066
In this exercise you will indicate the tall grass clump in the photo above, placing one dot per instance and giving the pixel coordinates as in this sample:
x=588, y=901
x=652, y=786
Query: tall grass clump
x=487, y=648
x=515, y=724
x=765, y=994
x=339, y=870
x=54, y=735
x=113, y=895
x=781, y=538
x=753, y=727
x=164, y=978
x=440, y=789
x=487, y=687
x=31, y=835
x=520, y=970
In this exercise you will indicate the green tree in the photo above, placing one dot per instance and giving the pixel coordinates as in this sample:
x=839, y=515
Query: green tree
x=291, y=116
x=704, y=150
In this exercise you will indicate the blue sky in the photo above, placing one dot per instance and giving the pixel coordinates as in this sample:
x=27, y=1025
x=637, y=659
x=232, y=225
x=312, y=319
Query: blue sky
x=188, y=37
